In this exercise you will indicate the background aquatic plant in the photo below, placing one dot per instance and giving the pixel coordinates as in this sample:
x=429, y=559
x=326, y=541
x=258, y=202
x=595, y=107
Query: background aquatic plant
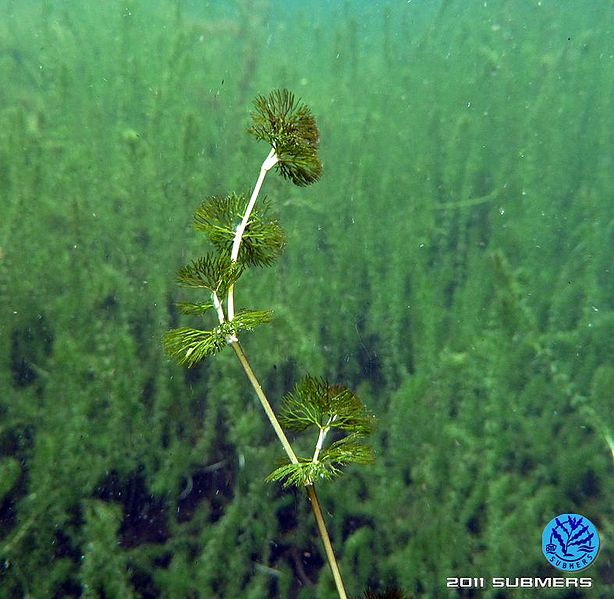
x=453, y=267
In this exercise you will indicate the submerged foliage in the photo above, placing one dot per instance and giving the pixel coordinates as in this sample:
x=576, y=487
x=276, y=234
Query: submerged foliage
x=263, y=240
x=215, y=273
x=190, y=346
x=316, y=404
x=290, y=128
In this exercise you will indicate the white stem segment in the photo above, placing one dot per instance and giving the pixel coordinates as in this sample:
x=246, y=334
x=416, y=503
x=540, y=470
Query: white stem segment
x=218, y=307
x=319, y=444
x=269, y=162
x=321, y=437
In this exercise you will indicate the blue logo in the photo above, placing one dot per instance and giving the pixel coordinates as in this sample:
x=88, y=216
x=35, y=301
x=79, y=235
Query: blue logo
x=570, y=542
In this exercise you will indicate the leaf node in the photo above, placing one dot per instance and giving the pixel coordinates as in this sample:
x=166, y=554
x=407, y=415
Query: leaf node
x=329, y=465
x=315, y=403
x=304, y=473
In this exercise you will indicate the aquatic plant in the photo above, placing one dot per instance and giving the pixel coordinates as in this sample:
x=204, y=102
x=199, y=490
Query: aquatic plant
x=468, y=241
x=244, y=236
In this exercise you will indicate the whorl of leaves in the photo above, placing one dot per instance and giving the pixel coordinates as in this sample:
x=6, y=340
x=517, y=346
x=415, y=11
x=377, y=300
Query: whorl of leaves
x=213, y=272
x=314, y=402
x=304, y=473
x=263, y=239
x=328, y=466
x=290, y=128
x=189, y=346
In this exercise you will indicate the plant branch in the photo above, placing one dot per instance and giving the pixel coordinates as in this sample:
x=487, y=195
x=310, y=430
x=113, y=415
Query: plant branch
x=313, y=498
x=290, y=129
x=269, y=162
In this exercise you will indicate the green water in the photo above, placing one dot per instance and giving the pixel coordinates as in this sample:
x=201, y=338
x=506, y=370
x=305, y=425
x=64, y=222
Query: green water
x=453, y=266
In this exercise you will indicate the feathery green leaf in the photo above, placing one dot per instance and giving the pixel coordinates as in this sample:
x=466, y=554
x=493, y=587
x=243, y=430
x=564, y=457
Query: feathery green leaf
x=189, y=346
x=213, y=272
x=248, y=320
x=314, y=402
x=304, y=473
x=190, y=308
x=346, y=451
x=290, y=128
x=218, y=217
x=263, y=239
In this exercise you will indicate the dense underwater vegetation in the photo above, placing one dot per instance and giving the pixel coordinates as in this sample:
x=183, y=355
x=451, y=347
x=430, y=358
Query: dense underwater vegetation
x=453, y=265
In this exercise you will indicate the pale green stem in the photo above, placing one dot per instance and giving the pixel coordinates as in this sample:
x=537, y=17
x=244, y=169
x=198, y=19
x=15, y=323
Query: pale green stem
x=264, y=401
x=311, y=492
x=328, y=547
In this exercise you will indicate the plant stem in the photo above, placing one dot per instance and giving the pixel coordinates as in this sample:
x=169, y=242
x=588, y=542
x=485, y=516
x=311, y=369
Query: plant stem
x=236, y=346
x=328, y=548
x=269, y=162
x=323, y=432
x=311, y=492
x=218, y=307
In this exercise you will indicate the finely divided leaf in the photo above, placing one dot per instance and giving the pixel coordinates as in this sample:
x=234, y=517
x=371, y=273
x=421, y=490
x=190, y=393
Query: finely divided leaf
x=263, y=239
x=291, y=129
x=213, y=272
x=314, y=402
x=189, y=346
x=301, y=474
x=190, y=308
